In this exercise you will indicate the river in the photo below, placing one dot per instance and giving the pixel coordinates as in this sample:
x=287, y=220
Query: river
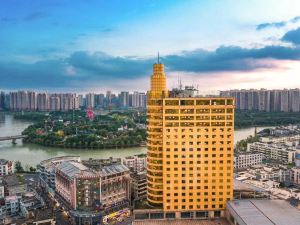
x=30, y=154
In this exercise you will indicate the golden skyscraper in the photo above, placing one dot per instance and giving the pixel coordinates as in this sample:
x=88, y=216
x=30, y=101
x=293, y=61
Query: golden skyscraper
x=190, y=150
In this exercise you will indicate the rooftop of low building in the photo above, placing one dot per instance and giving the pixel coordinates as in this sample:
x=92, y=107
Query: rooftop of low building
x=97, y=164
x=113, y=169
x=50, y=164
x=72, y=168
x=36, y=216
x=181, y=222
x=139, y=156
x=265, y=212
x=3, y=161
x=13, y=180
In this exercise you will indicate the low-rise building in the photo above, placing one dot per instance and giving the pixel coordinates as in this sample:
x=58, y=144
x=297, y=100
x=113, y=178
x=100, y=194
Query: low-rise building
x=2, y=209
x=93, y=190
x=46, y=170
x=6, y=167
x=78, y=185
x=136, y=163
x=97, y=164
x=115, y=187
x=265, y=177
x=77, y=188
x=275, y=152
x=12, y=205
x=262, y=212
x=295, y=175
x=1, y=188
x=38, y=217
x=115, y=182
x=14, y=185
x=246, y=160
x=29, y=203
x=20, y=208
x=139, y=185
x=281, y=139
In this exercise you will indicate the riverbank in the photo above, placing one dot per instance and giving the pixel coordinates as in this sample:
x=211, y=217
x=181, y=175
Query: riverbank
x=244, y=119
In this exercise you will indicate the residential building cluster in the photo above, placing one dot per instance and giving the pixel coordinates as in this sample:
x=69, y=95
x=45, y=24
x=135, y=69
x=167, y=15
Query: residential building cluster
x=278, y=145
x=246, y=160
x=279, y=152
x=93, y=190
x=21, y=202
x=34, y=101
x=286, y=100
x=110, y=100
x=276, y=174
x=265, y=176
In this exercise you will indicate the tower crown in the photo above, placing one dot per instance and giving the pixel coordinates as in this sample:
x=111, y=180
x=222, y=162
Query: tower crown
x=158, y=80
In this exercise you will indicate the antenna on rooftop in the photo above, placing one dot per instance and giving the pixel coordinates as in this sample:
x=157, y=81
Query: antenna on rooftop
x=180, y=84
x=157, y=57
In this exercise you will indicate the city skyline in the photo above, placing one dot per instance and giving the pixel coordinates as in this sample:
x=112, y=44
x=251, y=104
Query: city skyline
x=52, y=46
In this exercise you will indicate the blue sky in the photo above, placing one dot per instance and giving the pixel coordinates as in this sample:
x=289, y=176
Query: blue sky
x=95, y=45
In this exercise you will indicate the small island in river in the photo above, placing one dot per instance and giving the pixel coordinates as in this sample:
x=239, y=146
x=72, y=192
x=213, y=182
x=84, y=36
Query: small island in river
x=77, y=130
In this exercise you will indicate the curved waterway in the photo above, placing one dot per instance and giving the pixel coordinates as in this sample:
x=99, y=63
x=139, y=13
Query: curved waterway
x=30, y=154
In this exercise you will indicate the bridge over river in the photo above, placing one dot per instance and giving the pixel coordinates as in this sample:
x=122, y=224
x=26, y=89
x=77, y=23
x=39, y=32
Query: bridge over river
x=12, y=138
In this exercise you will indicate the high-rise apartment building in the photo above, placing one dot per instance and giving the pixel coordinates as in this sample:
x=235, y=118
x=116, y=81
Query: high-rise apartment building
x=32, y=100
x=124, y=99
x=81, y=100
x=286, y=100
x=54, y=102
x=190, y=151
x=68, y=102
x=99, y=100
x=2, y=100
x=138, y=100
x=294, y=98
x=90, y=100
x=108, y=97
x=43, y=103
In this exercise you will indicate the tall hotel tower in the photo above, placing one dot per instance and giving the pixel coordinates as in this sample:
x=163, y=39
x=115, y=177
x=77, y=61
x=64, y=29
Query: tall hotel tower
x=190, y=151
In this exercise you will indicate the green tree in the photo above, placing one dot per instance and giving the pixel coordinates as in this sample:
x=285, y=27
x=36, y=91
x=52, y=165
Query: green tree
x=18, y=167
x=32, y=169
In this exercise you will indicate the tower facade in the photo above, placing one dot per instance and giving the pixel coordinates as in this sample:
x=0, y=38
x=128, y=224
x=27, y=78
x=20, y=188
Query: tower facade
x=190, y=150
x=155, y=98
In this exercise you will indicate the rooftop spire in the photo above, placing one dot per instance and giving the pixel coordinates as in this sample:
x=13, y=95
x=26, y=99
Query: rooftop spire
x=157, y=57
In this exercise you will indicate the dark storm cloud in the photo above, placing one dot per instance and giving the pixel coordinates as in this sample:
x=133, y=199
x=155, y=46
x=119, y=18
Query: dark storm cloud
x=82, y=67
x=292, y=36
